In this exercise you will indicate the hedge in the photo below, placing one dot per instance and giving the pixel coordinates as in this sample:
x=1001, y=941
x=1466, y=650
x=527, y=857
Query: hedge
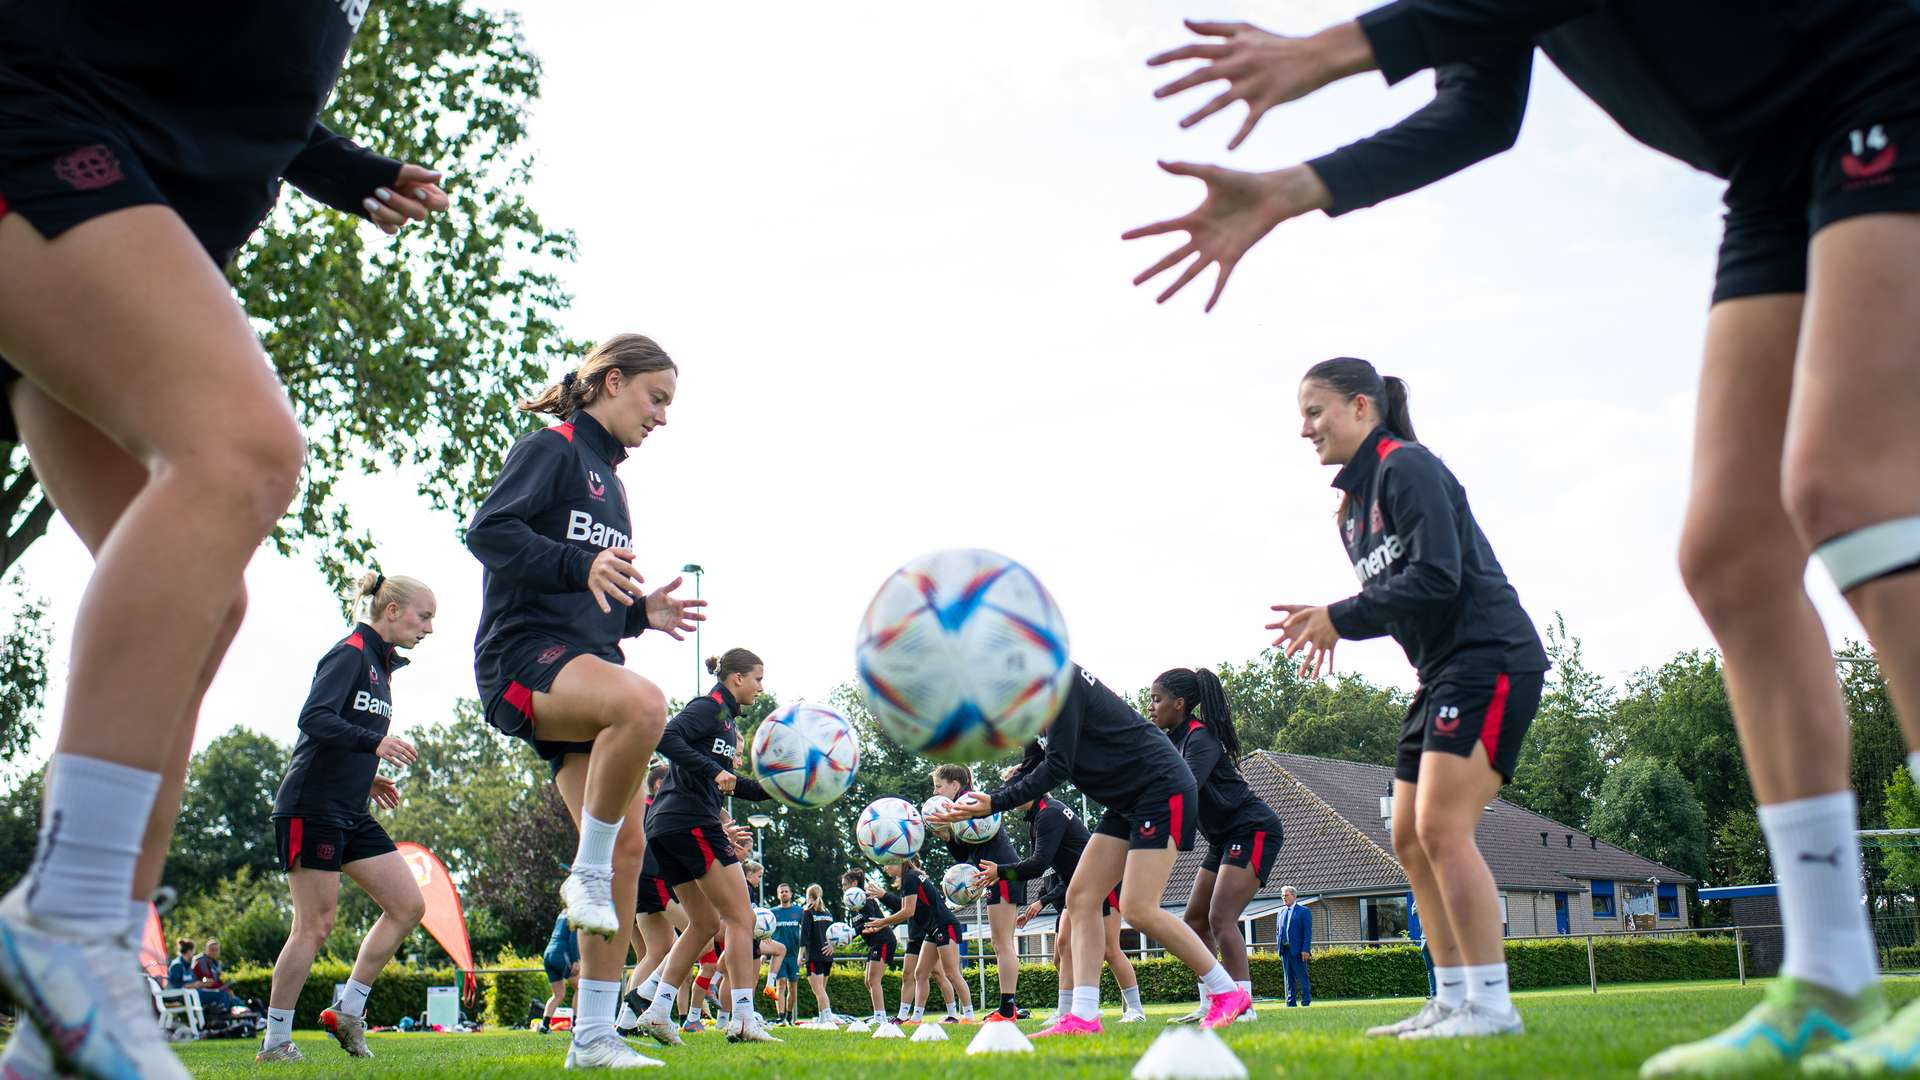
x=401, y=991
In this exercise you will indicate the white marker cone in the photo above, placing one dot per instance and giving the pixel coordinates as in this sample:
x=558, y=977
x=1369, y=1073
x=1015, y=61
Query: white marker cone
x=858, y=1027
x=1184, y=1053
x=929, y=1033
x=889, y=1030
x=1000, y=1037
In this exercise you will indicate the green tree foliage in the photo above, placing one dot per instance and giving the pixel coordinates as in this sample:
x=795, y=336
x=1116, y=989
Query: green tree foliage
x=23, y=670
x=1560, y=769
x=515, y=881
x=1648, y=808
x=1679, y=713
x=1901, y=860
x=1738, y=855
x=226, y=815
x=19, y=824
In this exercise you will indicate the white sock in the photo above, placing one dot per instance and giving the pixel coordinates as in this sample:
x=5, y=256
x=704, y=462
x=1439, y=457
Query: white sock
x=1816, y=859
x=279, y=1027
x=1450, y=986
x=596, y=842
x=1086, y=1002
x=354, y=1001
x=966, y=1011
x=662, y=1006
x=919, y=1012
x=1487, y=988
x=742, y=1001
x=906, y=1010
x=1244, y=985
x=95, y=818
x=1065, y=1004
x=593, y=1012
x=650, y=986
x=1217, y=981
x=1206, y=999
x=1130, y=997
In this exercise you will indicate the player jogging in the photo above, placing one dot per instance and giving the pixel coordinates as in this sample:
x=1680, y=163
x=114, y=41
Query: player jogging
x=561, y=958
x=815, y=918
x=320, y=819
x=1243, y=833
x=559, y=593
x=127, y=180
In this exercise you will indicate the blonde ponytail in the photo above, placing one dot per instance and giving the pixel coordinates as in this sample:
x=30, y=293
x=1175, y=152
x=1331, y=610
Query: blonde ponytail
x=376, y=590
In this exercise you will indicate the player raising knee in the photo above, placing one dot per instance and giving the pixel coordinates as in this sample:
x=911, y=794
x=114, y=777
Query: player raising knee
x=1243, y=832
x=559, y=593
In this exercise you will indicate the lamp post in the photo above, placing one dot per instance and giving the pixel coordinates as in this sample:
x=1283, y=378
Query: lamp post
x=696, y=570
x=758, y=822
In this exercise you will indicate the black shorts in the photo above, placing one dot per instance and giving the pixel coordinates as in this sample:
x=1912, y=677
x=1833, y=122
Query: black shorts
x=1111, y=903
x=509, y=708
x=1867, y=163
x=689, y=854
x=328, y=845
x=883, y=950
x=1160, y=812
x=1254, y=849
x=1460, y=710
x=938, y=936
x=821, y=966
x=1006, y=892
x=655, y=894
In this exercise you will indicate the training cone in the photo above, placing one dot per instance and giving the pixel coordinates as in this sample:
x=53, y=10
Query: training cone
x=889, y=1030
x=1184, y=1053
x=858, y=1027
x=1000, y=1037
x=929, y=1033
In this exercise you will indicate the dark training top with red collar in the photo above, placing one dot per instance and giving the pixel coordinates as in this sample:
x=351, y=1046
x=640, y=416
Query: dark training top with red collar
x=1427, y=574
x=347, y=713
x=1059, y=839
x=698, y=744
x=1227, y=803
x=555, y=506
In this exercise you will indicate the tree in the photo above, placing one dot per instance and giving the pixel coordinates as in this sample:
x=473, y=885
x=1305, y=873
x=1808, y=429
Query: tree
x=1679, y=713
x=1559, y=771
x=1648, y=808
x=1264, y=694
x=23, y=671
x=1738, y=855
x=528, y=852
x=1346, y=718
x=464, y=781
x=1902, y=861
x=19, y=825
x=226, y=814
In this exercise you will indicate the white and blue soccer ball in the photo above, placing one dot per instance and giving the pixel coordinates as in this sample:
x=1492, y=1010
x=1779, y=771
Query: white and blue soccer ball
x=936, y=805
x=763, y=923
x=805, y=755
x=963, y=656
x=977, y=830
x=839, y=935
x=957, y=884
x=855, y=897
x=889, y=830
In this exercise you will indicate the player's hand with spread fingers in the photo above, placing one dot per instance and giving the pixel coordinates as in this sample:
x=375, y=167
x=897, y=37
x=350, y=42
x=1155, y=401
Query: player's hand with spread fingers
x=414, y=196
x=612, y=576
x=673, y=614
x=1310, y=627
x=973, y=804
x=395, y=750
x=989, y=873
x=1263, y=69
x=1239, y=209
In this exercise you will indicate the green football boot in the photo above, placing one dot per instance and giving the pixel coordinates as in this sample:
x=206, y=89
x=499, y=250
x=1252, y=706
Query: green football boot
x=1892, y=1049
x=1795, y=1020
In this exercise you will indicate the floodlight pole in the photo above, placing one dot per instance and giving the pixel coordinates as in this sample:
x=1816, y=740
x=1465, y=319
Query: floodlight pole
x=697, y=572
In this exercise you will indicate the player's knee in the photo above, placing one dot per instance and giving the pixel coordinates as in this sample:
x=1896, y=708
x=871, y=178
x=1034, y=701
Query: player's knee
x=250, y=471
x=1827, y=495
x=313, y=927
x=1198, y=921
x=1439, y=837
x=1136, y=908
x=1223, y=923
x=629, y=848
x=641, y=706
x=408, y=910
x=1406, y=845
x=1731, y=562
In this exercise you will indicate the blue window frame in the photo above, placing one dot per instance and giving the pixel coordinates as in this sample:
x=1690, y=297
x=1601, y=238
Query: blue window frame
x=1603, y=900
x=1669, y=901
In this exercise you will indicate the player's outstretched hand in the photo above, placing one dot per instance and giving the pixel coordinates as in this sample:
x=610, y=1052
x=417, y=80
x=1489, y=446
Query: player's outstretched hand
x=612, y=575
x=989, y=873
x=971, y=805
x=673, y=614
x=396, y=750
x=1309, y=627
x=414, y=196
x=1239, y=209
x=1261, y=68
x=386, y=794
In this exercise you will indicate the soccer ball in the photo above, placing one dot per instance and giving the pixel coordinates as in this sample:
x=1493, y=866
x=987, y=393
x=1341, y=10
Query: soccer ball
x=839, y=935
x=963, y=656
x=977, y=830
x=805, y=755
x=889, y=830
x=935, y=805
x=957, y=884
x=762, y=923
x=855, y=897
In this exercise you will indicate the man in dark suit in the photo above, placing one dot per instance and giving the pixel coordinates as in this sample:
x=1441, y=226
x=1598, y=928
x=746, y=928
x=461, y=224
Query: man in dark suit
x=1296, y=946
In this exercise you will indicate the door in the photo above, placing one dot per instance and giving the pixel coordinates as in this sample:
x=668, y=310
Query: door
x=1560, y=911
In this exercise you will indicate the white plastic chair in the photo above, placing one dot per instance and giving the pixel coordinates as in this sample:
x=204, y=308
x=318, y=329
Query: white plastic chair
x=180, y=1016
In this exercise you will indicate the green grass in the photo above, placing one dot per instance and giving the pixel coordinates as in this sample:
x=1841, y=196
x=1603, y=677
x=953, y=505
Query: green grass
x=1569, y=1032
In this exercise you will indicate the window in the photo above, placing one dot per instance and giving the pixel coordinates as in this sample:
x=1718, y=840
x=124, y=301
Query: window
x=1603, y=900
x=1669, y=901
x=1383, y=918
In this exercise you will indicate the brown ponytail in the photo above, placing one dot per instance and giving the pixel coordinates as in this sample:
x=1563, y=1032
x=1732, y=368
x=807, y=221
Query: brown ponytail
x=732, y=662
x=629, y=354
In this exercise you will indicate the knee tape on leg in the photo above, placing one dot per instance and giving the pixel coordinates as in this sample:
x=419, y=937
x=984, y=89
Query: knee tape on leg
x=1874, y=552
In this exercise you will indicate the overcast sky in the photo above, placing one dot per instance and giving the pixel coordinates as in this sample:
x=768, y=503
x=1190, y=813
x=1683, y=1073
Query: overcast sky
x=882, y=243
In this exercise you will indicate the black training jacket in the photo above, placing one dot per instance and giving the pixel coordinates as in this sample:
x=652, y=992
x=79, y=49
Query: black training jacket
x=1736, y=88
x=555, y=506
x=998, y=848
x=218, y=101
x=1228, y=804
x=347, y=713
x=1427, y=575
x=1059, y=839
x=930, y=910
x=1109, y=751
x=813, y=932
x=698, y=744
x=872, y=912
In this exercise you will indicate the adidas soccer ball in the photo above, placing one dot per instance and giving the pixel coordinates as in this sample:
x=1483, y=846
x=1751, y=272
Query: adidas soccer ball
x=963, y=656
x=805, y=755
x=977, y=830
x=855, y=897
x=957, y=884
x=935, y=805
x=889, y=830
x=762, y=923
x=839, y=935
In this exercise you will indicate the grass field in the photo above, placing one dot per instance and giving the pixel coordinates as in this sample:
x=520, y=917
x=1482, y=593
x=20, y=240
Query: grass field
x=1569, y=1033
